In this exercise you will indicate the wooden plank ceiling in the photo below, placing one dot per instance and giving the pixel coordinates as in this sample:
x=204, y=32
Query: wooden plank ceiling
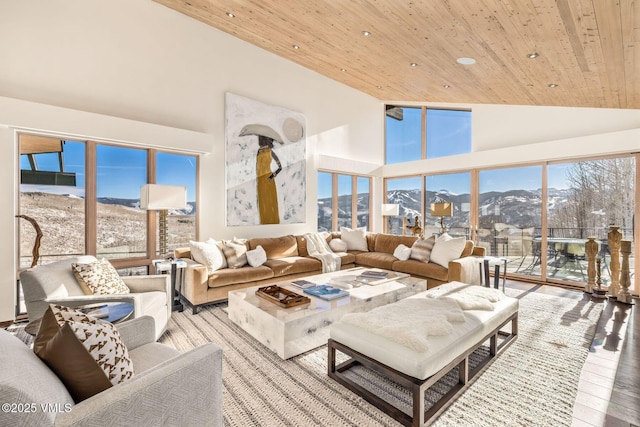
x=590, y=49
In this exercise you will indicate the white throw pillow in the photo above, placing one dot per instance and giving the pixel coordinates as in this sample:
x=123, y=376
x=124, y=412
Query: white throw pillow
x=256, y=257
x=208, y=254
x=402, y=252
x=338, y=245
x=356, y=240
x=446, y=249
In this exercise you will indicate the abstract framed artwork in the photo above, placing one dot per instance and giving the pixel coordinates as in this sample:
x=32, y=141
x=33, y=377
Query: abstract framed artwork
x=265, y=163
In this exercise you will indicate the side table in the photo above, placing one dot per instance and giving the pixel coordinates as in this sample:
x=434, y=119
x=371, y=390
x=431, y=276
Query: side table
x=175, y=267
x=487, y=262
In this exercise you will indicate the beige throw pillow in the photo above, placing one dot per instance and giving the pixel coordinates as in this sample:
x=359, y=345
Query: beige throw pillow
x=446, y=249
x=355, y=239
x=421, y=249
x=402, y=252
x=338, y=245
x=100, y=278
x=256, y=257
x=208, y=254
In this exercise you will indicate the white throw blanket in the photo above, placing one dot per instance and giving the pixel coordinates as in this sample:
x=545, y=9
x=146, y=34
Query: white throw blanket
x=469, y=297
x=411, y=321
x=318, y=248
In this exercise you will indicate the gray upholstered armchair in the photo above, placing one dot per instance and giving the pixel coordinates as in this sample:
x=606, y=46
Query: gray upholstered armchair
x=55, y=283
x=168, y=387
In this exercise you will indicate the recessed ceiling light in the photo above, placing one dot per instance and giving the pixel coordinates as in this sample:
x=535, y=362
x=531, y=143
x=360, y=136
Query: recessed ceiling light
x=295, y=46
x=446, y=86
x=379, y=87
x=552, y=85
x=466, y=61
x=533, y=55
x=413, y=64
x=231, y=15
x=366, y=33
x=344, y=70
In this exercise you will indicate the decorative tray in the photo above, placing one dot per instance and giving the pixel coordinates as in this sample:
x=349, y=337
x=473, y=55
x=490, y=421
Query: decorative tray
x=282, y=297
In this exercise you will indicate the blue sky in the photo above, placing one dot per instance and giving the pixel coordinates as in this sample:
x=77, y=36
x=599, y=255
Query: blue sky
x=121, y=171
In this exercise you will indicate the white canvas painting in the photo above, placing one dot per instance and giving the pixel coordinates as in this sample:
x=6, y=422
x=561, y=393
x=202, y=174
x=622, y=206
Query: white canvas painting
x=266, y=163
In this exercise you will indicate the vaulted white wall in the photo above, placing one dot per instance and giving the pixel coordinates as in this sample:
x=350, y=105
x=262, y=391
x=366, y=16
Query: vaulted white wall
x=137, y=72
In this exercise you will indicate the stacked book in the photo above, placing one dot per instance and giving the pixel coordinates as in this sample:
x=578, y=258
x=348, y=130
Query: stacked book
x=326, y=292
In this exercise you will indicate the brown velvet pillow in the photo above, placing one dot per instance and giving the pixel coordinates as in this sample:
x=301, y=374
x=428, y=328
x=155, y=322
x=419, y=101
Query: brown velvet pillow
x=468, y=249
x=82, y=363
x=68, y=359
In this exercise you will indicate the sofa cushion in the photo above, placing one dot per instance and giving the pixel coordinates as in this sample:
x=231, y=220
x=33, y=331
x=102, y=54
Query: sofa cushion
x=376, y=259
x=26, y=378
x=446, y=249
x=232, y=276
x=276, y=247
x=85, y=353
x=293, y=265
x=421, y=249
x=422, y=269
x=346, y=258
x=302, y=246
x=150, y=355
x=388, y=243
x=99, y=277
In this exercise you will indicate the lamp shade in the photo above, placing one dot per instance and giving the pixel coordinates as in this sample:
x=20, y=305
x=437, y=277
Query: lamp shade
x=442, y=209
x=390, y=209
x=160, y=197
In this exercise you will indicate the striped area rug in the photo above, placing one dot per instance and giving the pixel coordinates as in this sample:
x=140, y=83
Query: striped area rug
x=534, y=382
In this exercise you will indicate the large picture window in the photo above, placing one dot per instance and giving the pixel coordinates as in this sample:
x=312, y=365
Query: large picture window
x=85, y=197
x=414, y=133
x=343, y=201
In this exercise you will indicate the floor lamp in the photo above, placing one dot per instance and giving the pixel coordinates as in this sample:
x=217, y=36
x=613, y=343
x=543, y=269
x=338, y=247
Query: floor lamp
x=155, y=197
x=389, y=210
x=442, y=209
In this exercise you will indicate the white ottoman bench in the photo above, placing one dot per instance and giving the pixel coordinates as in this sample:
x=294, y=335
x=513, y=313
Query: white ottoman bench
x=419, y=370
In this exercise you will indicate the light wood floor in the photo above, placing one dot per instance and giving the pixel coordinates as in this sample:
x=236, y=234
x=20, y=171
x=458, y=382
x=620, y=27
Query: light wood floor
x=609, y=388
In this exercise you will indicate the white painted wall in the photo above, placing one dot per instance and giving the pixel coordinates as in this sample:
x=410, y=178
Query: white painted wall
x=138, y=72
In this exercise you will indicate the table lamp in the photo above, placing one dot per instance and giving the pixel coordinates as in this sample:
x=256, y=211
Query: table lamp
x=442, y=209
x=155, y=197
x=389, y=210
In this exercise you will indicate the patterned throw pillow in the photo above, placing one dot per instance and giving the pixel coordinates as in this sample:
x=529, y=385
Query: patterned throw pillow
x=235, y=253
x=421, y=249
x=86, y=353
x=99, y=277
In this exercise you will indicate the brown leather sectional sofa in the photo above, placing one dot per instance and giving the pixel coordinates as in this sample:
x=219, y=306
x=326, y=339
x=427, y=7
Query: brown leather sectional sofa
x=288, y=259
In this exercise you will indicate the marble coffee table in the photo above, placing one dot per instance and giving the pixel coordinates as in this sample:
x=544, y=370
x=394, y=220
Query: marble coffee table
x=292, y=331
